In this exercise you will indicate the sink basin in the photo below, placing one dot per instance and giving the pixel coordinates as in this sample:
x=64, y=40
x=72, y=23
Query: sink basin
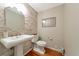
x=15, y=40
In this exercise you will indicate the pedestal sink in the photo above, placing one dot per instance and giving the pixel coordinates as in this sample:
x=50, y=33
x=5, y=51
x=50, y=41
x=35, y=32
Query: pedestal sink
x=16, y=42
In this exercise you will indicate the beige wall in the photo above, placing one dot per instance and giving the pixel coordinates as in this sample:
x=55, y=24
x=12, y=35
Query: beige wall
x=71, y=29
x=54, y=33
x=1, y=20
x=70, y=26
x=30, y=20
x=1, y=16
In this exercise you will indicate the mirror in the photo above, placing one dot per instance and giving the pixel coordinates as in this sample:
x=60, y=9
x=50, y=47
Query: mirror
x=14, y=19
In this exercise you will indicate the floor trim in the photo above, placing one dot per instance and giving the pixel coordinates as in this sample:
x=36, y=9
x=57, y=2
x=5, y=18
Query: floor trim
x=54, y=49
x=28, y=51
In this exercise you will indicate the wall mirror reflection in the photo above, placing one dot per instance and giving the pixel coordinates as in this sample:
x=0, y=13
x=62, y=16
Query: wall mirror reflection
x=14, y=19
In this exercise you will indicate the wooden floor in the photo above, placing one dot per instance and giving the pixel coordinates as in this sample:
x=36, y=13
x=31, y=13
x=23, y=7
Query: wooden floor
x=48, y=52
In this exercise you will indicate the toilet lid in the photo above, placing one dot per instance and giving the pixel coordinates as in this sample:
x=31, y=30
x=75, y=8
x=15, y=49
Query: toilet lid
x=41, y=43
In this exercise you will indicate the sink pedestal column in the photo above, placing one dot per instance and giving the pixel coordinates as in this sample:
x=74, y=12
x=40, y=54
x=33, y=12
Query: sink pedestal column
x=18, y=50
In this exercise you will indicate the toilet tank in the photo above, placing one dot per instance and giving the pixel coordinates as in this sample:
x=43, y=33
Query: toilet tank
x=35, y=38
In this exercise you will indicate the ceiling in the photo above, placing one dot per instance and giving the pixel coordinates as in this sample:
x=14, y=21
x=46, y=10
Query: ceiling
x=43, y=6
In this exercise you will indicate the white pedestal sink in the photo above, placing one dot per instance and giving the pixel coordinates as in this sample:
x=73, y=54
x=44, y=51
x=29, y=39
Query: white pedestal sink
x=16, y=42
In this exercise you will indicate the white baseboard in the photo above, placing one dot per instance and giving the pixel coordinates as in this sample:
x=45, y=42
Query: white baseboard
x=28, y=51
x=54, y=49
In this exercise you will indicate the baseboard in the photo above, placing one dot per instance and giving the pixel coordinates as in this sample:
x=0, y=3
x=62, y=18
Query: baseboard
x=54, y=49
x=28, y=51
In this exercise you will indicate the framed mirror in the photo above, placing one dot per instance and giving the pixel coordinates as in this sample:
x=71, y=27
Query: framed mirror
x=49, y=22
x=14, y=19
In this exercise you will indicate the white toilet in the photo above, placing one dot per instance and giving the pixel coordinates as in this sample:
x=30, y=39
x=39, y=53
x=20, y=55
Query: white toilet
x=39, y=45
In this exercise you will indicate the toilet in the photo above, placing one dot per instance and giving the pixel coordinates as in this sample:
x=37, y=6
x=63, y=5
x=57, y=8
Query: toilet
x=39, y=45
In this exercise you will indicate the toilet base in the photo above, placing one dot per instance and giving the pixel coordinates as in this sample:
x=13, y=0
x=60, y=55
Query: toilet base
x=40, y=50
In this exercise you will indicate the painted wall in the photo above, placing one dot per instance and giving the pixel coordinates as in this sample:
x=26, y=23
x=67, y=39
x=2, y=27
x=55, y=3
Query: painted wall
x=1, y=20
x=71, y=29
x=1, y=16
x=52, y=35
x=30, y=20
x=30, y=25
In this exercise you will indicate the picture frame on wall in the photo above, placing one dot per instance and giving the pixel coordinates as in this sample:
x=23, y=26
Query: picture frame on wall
x=49, y=22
